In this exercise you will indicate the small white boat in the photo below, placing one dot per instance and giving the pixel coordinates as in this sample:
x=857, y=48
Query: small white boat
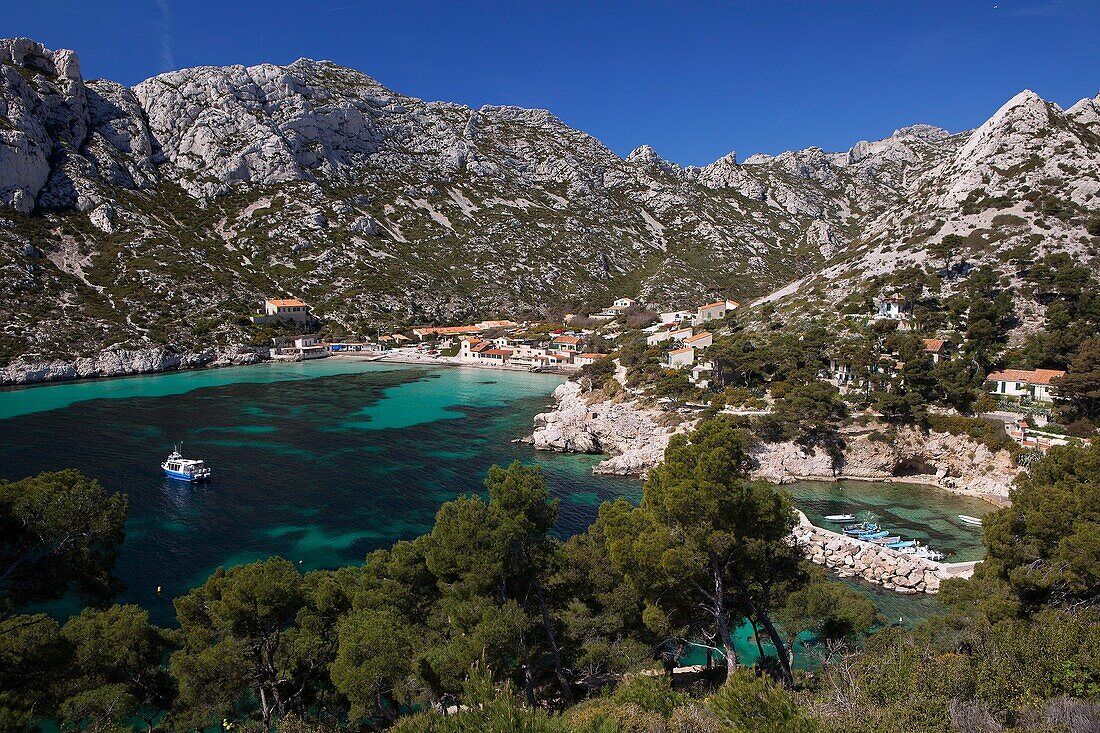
x=972, y=521
x=184, y=469
x=840, y=517
x=919, y=550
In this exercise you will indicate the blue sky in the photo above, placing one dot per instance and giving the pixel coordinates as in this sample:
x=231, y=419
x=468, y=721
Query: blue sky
x=693, y=79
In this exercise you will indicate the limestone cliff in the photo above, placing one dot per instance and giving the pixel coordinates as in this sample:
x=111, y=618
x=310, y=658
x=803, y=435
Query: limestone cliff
x=632, y=435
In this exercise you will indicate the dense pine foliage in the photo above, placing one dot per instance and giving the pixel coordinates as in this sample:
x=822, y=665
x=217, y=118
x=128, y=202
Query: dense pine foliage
x=490, y=623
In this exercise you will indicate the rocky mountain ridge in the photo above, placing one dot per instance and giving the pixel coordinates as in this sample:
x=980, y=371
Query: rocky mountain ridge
x=162, y=214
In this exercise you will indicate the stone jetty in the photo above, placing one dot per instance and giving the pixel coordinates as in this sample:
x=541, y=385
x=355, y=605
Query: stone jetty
x=853, y=558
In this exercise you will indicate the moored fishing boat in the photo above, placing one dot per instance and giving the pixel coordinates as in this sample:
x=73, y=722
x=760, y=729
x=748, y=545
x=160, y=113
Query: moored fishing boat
x=184, y=469
x=869, y=536
x=861, y=528
x=840, y=517
x=886, y=540
x=972, y=521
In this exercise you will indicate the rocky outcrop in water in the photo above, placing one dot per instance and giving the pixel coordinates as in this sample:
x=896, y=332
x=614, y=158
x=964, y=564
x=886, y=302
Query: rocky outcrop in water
x=120, y=362
x=634, y=436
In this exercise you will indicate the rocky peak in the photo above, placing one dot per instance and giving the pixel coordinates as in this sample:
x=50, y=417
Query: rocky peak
x=33, y=56
x=646, y=157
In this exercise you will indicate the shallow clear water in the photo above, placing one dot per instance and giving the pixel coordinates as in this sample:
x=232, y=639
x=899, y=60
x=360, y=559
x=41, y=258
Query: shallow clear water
x=913, y=511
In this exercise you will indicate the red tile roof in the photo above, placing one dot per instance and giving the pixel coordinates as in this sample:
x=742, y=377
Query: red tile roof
x=566, y=340
x=285, y=302
x=1028, y=376
x=590, y=356
x=934, y=346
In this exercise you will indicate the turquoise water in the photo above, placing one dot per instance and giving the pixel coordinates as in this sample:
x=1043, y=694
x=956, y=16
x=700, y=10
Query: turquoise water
x=319, y=462
x=913, y=511
x=323, y=462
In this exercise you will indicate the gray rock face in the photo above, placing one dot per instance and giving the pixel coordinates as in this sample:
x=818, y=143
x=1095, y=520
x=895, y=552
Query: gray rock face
x=631, y=435
x=121, y=362
x=63, y=140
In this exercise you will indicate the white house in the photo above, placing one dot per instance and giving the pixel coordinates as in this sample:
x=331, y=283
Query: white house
x=714, y=311
x=841, y=372
x=678, y=317
x=290, y=308
x=680, y=334
x=656, y=338
x=681, y=358
x=588, y=358
x=700, y=340
x=893, y=306
x=701, y=374
x=300, y=347
x=466, y=348
x=1033, y=383
x=624, y=303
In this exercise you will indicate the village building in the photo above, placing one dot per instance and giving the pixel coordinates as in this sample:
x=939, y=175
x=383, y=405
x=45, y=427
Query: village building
x=490, y=325
x=299, y=347
x=714, y=311
x=587, y=358
x=701, y=374
x=673, y=317
x=894, y=307
x=498, y=356
x=341, y=346
x=681, y=358
x=680, y=334
x=1035, y=384
x=841, y=372
x=571, y=344
x=426, y=332
x=624, y=303
x=700, y=340
x=938, y=348
x=1023, y=432
x=466, y=348
x=656, y=338
x=290, y=309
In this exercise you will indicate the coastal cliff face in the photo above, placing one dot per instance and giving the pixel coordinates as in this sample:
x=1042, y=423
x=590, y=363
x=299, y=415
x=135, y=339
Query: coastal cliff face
x=120, y=362
x=633, y=436
x=955, y=463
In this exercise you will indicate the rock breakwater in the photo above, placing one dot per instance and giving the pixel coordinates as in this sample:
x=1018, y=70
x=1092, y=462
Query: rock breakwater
x=853, y=558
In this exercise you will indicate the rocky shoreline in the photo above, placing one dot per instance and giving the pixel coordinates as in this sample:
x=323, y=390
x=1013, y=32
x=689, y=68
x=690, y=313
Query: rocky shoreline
x=893, y=570
x=123, y=362
x=954, y=463
x=634, y=437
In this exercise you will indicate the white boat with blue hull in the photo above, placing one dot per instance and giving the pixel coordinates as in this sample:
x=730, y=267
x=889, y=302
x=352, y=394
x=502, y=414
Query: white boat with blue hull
x=185, y=469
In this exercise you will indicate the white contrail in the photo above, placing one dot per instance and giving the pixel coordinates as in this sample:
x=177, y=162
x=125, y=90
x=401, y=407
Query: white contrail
x=167, y=58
